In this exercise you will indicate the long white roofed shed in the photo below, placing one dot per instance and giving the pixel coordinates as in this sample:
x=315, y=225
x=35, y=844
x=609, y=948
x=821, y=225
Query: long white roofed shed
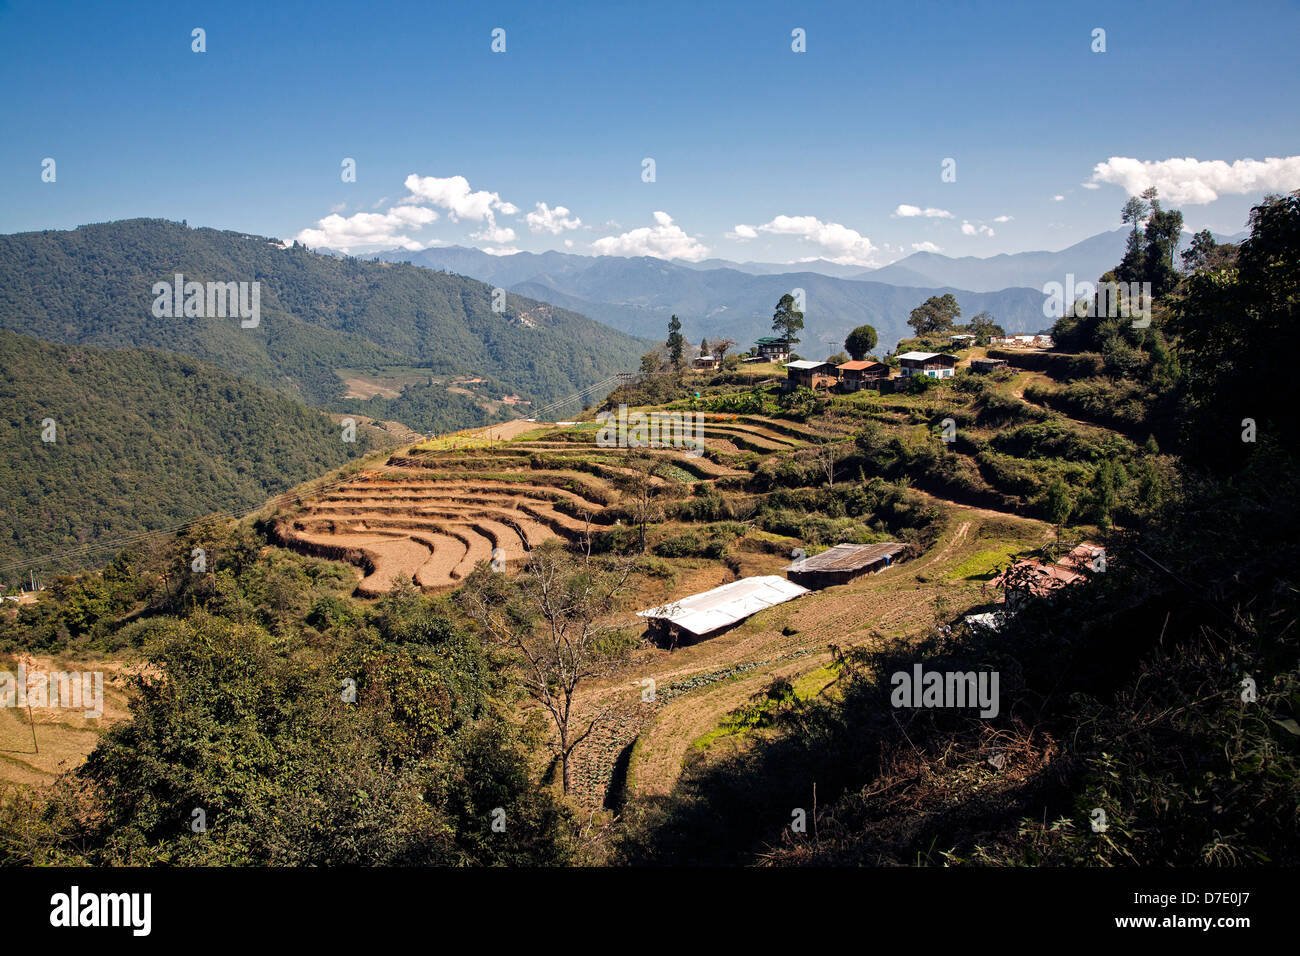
x=710, y=611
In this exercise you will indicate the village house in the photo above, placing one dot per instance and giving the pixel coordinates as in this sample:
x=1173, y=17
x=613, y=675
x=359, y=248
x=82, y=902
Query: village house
x=843, y=563
x=701, y=615
x=987, y=364
x=857, y=374
x=1036, y=578
x=963, y=340
x=808, y=374
x=1025, y=340
x=773, y=349
x=933, y=364
x=705, y=362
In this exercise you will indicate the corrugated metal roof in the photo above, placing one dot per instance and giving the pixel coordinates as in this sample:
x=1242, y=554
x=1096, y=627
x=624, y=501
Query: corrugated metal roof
x=847, y=557
x=925, y=356
x=1042, y=578
x=804, y=364
x=706, y=612
x=858, y=365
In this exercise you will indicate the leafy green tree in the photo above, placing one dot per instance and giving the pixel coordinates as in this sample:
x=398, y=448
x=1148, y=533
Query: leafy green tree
x=1132, y=267
x=1164, y=229
x=1104, y=492
x=1058, y=505
x=1232, y=326
x=860, y=342
x=676, y=345
x=787, y=320
x=984, y=328
x=936, y=314
x=1206, y=254
x=236, y=730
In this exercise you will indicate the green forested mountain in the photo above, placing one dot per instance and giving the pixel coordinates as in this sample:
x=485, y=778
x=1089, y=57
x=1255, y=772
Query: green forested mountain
x=94, y=286
x=142, y=440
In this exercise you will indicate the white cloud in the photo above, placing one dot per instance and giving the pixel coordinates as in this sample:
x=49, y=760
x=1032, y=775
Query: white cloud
x=554, y=221
x=491, y=232
x=926, y=246
x=454, y=195
x=840, y=243
x=904, y=211
x=1192, y=182
x=664, y=240
x=368, y=229
x=1003, y=218
x=500, y=252
x=1090, y=185
x=743, y=232
x=969, y=229
x=1057, y=198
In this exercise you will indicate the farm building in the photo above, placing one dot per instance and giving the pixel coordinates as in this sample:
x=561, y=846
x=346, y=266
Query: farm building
x=1025, y=340
x=933, y=364
x=987, y=364
x=1084, y=557
x=963, y=340
x=842, y=563
x=810, y=374
x=861, y=374
x=773, y=349
x=1033, y=578
x=1040, y=578
x=704, y=362
x=712, y=611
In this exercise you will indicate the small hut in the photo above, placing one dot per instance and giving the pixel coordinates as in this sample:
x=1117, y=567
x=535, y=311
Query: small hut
x=844, y=562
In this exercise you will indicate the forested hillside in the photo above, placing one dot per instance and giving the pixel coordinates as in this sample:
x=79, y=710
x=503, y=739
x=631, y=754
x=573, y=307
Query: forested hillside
x=93, y=286
x=142, y=440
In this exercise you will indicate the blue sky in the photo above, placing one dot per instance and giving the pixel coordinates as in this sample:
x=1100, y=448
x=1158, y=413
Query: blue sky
x=813, y=154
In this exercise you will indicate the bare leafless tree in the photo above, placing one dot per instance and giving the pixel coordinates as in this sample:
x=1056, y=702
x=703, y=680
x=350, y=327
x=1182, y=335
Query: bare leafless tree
x=640, y=490
x=553, y=616
x=831, y=446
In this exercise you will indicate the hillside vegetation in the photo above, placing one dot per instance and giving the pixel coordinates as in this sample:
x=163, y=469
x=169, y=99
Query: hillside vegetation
x=319, y=314
x=143, y=440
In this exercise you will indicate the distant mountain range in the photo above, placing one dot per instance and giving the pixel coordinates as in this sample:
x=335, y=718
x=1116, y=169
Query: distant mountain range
x=637, y=296
x=1087, y=260
x=718, y=298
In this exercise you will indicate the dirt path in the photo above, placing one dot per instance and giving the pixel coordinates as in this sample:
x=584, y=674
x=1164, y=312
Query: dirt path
x=698, y=685
x=946, y=550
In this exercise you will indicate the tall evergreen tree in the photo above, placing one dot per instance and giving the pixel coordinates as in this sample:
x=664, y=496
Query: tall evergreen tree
x=676, y=344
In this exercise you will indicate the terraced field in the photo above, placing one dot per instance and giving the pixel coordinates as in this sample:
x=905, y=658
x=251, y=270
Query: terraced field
x=436, y=509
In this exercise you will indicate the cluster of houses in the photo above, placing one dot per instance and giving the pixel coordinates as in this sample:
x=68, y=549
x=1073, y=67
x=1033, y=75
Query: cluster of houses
x=859, y=374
